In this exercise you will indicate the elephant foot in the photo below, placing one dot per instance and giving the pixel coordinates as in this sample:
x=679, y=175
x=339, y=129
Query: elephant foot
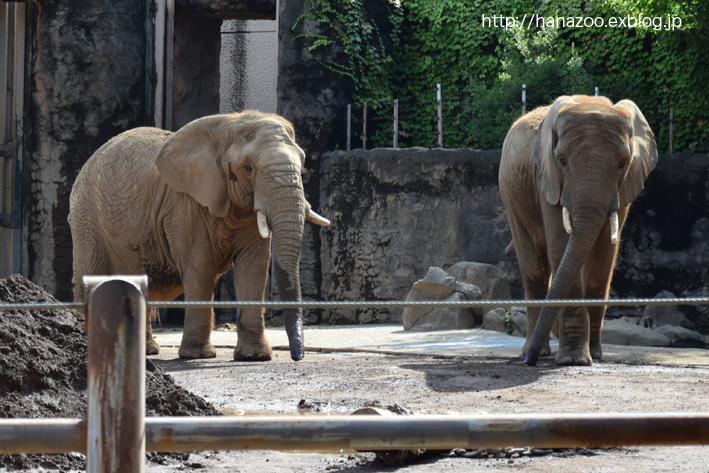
x=253, y=352
x=152, y=347
x=197, y=350
x=568, y=357
x=545, y=351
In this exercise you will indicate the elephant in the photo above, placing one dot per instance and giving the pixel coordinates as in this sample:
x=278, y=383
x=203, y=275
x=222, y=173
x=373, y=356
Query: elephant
x=568, y=174
x=182, y=207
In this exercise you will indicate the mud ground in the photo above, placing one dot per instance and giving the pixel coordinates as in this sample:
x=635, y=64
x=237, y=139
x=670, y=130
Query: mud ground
x=339, y=383
x=43, y=355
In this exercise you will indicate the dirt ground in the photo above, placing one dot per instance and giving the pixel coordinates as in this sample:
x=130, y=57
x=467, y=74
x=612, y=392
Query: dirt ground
x=339, y=383
x=43, y=355
x=43, y=374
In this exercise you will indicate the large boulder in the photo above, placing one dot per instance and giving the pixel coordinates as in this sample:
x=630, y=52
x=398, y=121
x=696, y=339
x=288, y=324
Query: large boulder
x=490, y=279
x=438, y=285
x=620, y=332
x=681, y=337
x=495, y=319
x=519, y=322
x=500, y=320
x=444, y=318
x=667, y=314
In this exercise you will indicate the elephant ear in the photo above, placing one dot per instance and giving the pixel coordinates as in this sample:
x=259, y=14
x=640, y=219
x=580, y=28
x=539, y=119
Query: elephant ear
x=189, y=163
x=544, y=151
x=644, y=151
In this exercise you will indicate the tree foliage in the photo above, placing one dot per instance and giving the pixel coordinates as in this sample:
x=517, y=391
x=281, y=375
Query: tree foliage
x=416, y=44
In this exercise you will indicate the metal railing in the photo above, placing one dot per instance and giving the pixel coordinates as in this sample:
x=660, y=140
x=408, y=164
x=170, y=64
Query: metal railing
x=116, y=434
x=378, y=304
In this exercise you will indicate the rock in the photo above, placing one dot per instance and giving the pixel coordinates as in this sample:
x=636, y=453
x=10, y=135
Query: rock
x=682, y=337
x=620, y=332
x=667, y=314
x=439, y=285
x=472, y=293
x=490, y=279
x=519, y=323
x=441, y=319
x=495, y=319
x=644, y=321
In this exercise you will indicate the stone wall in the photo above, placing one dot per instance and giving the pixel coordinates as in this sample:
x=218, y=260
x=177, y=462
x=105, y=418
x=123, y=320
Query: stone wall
x=87, y=84
x=195, y=69
x=396, y=212
x=314, y=100
x=665, y=242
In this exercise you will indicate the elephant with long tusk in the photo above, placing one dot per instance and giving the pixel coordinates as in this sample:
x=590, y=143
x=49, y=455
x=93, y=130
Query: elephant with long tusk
x=181, y=207
x=568, y=175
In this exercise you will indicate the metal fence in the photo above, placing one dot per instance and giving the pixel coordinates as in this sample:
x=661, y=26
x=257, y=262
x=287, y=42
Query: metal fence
x=116, y=434
x=357, y=126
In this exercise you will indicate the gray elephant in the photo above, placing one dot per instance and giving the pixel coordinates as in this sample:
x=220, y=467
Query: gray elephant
x=180, y=207
x=568, y=175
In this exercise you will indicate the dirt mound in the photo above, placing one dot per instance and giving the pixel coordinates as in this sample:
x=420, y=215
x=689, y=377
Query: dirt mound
x=43, y=356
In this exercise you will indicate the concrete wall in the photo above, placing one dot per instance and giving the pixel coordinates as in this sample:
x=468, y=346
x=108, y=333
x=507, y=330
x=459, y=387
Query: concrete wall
x=195, y=69
x=248, y=66
x=396, y=212
x=87, y=84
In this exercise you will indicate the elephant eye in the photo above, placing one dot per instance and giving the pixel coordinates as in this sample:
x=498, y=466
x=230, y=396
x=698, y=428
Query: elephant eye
x=247, y=168
x=622, y=164
x=562, y=161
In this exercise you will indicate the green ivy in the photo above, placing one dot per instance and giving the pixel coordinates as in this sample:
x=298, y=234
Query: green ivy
x=419, y=43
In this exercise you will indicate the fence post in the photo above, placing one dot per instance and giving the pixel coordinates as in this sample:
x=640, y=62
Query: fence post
x=364, y=126
x=349, y=125
x=524, y=98
x=440, y=115
x=116, y=373
x=672, y=122
x=595, y=91
x=396, y=123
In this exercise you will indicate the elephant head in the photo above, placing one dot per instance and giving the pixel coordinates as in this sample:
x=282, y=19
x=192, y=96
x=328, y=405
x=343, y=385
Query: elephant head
x=248, y=163
x=593, y=158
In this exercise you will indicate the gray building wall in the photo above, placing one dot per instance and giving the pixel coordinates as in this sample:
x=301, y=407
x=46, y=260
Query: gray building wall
x=248, y=66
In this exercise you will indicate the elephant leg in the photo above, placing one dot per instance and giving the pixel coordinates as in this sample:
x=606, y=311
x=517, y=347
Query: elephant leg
x=598, y=275
x=199, y=286
x=250, y=275
x=151, y=346
x=573, y=336
x=533, y=263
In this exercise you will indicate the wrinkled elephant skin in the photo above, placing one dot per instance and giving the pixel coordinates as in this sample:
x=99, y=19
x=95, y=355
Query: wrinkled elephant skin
x=568, y=175
x=183, y=207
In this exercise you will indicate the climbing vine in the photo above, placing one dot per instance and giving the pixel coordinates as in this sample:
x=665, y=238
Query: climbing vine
x=403, y=49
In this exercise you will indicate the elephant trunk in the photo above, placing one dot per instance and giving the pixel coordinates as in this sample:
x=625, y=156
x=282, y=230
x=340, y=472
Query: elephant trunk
x=287, y=218
x=587, y=222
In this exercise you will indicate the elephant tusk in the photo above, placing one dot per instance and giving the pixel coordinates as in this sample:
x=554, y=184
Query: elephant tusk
x=567, y=219
x=317, y=219
x=262, y=224
x=614, y=227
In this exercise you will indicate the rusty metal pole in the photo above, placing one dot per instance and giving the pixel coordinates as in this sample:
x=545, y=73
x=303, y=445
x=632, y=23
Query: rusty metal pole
x=364, y=127
x=349, y=126
x=440, y=115
x=336, y=434
x=116, y=373
x=396, y=123
x=370, y=433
